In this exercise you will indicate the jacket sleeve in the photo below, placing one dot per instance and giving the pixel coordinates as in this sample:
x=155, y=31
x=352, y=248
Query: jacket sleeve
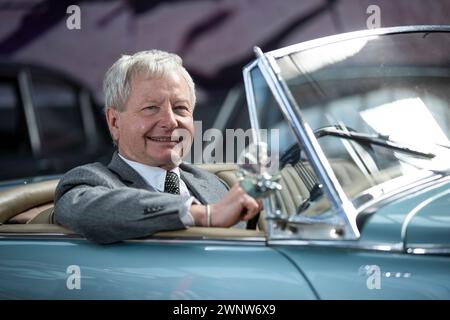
x=90, y=201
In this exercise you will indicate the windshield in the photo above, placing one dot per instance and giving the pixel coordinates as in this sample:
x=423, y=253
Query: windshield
x=392, y=88
x=379, y=109
x=301, y=193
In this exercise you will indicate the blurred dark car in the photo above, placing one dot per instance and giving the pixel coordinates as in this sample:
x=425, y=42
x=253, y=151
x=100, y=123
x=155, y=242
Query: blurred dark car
x=49, y=123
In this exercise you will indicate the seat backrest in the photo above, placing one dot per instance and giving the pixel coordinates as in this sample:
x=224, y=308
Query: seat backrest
x=225, y=171
x=294, y=190
x=34, y=215
x=29, y=200
x=33, y=203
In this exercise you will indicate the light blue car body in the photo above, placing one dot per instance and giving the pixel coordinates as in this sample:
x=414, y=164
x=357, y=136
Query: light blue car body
x=403, y=252
x=204, y=269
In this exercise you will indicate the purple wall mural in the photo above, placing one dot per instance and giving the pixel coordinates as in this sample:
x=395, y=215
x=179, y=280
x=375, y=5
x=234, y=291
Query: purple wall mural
x=215, y=38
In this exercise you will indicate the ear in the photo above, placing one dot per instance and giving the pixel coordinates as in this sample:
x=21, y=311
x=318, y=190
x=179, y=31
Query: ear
x=113, y=119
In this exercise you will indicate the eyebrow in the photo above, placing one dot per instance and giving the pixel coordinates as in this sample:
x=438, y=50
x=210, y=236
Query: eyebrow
x=187, y=101
x=151, y=101
x=147, y=99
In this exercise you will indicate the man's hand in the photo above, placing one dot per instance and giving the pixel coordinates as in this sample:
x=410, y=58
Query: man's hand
x=235, y=206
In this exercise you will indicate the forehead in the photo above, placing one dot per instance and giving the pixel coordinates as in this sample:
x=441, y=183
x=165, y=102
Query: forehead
x=171, y=84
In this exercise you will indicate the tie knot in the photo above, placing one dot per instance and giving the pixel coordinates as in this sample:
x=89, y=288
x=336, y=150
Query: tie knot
x=172, y=183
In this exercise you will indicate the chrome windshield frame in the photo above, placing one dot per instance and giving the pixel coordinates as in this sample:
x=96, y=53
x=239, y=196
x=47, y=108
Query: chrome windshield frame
x=354, y=35
x=266, y=62
x=339, y=202
x=250, y=97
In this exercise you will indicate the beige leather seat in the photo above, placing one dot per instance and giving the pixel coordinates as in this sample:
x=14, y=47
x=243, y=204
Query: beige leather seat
x=25, y=203
x=33, y=203
x=294, y=191
x=29, y=209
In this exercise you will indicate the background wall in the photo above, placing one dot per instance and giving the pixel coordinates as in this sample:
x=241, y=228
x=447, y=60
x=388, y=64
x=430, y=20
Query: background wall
x=215, y=38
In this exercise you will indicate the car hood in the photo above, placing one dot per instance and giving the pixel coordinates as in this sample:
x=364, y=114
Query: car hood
x=429, y=222
x=417, y=217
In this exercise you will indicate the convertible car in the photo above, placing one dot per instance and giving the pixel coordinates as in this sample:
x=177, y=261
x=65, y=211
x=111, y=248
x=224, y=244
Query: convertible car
x=350, y=153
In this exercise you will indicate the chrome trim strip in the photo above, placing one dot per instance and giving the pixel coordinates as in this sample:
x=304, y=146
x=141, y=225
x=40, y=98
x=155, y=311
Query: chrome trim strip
x=418, y=249
x=39, y=236
x=342, y=244
x=250, y=96
x=203, y=240
x=421, y=249
x=354, y=35
x=235, y=241
x=339, y=201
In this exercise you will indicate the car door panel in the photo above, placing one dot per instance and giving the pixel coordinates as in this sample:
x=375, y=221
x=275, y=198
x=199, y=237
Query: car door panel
x=31, y=269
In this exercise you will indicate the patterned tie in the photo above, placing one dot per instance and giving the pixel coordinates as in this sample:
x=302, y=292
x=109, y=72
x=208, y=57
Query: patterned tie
x=172, y=183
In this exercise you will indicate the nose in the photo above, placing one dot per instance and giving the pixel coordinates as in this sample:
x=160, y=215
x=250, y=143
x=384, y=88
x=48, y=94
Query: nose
x=168, y=120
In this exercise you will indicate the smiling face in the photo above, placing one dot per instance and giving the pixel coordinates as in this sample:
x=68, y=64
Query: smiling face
x=158, y=115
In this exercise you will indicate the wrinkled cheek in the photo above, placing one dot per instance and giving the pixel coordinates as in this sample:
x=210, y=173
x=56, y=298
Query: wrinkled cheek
x=141, y=132
x=188, y=126
x=142, y=128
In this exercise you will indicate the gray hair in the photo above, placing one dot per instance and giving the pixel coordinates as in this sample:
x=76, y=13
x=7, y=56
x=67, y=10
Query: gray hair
x=117, y=82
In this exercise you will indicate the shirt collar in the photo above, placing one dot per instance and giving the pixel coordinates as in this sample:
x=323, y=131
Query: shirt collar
x=153, y=176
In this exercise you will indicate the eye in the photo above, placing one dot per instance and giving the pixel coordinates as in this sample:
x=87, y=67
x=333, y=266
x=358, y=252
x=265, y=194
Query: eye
x=150, y=108
x=181, y=109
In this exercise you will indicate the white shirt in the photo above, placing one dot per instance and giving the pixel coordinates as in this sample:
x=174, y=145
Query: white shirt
x=155, y=177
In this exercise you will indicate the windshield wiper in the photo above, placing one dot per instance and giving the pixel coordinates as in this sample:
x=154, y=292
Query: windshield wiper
x=379, y=140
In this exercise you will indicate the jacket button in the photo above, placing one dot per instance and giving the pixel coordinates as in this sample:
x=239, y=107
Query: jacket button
x=153, y=209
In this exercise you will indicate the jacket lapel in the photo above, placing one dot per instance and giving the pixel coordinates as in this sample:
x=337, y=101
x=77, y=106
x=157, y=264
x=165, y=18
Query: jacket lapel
x=126, y=173
x=198, y=187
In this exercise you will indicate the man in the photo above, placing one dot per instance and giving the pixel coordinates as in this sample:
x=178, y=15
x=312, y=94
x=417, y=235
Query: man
x=149, y=104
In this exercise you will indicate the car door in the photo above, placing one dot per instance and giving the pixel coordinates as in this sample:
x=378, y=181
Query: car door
x=70, y=267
